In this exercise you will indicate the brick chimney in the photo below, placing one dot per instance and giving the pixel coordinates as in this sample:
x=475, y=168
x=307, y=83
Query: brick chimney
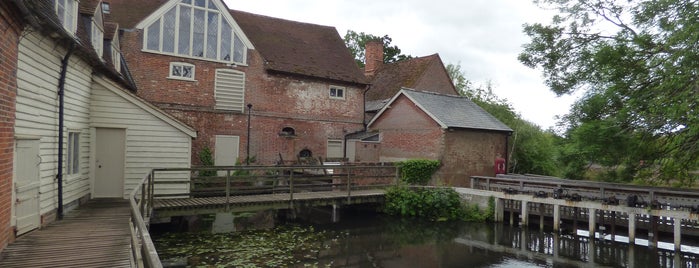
x=373, y=56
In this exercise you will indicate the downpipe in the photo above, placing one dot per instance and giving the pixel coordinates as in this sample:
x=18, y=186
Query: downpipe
x=61, y=93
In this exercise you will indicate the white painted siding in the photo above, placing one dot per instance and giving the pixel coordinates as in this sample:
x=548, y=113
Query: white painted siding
x=37, y=112
x=150, y=141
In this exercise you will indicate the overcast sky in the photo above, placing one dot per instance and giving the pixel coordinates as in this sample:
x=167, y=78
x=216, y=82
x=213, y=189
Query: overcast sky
x=484, y=36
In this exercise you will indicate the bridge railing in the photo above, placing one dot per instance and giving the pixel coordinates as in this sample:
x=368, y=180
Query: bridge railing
x=229, y=181
x=631, y=195
x=143, y=249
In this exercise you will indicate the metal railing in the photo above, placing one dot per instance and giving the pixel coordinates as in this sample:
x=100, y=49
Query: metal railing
x=143, y=250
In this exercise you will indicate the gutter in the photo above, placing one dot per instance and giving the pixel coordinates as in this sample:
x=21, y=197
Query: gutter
x=61, y=93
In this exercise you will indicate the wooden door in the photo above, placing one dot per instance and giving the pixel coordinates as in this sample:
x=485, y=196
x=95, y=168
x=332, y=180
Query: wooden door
x=109, y=163
x=27, y=183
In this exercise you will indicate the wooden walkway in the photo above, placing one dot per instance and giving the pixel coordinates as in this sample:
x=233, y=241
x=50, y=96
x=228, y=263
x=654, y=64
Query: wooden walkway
x=203, y=205
x=94, y=235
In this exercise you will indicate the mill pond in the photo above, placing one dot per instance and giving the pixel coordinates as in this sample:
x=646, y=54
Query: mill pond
x=362, y=237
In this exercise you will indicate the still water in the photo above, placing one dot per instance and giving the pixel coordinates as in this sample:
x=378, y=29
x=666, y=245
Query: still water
x=367, y=239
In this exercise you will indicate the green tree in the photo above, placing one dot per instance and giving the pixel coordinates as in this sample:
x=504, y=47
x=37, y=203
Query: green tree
x=356, y=42
x=532, y=149
x=637, y=61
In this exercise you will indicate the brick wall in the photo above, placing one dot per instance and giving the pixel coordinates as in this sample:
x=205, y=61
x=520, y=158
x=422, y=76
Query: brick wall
x=279, y=101
x=10, y=27
x=407, y=132
x=470, y=153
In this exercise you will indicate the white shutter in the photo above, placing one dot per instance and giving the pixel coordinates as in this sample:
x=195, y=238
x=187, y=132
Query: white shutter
x=334, y=149
x=229, y=90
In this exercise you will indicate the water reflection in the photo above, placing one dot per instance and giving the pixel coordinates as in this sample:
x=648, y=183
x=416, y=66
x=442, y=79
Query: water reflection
x=367, y=239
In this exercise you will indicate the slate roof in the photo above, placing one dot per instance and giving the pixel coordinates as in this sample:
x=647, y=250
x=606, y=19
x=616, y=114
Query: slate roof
x=452, y=111
x=300, y=48
x=391, y=77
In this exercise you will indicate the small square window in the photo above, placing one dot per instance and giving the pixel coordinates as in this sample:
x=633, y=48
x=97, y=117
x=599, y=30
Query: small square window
x=182, y=71
x=337, y=92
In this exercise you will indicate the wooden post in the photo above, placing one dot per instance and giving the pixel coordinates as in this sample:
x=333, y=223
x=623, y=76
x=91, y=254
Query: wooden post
x=487, y=184
x=556, y=219
x=524, y=214
x=632, y=228
x=592, y=214
x=499, y=210
x=349, y=184
x=678, y=234
x=541, y=216
x=576, y=212
x=335, y=215
x=228, y=190
x=613, y=223
x=291, y=188
x=512, y=212
x=473, y=183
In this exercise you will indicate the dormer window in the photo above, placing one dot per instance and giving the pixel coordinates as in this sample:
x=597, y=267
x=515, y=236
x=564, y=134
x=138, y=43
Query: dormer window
x=196, y=29
x=97, y=33
x=105, y=8
x=67, y=11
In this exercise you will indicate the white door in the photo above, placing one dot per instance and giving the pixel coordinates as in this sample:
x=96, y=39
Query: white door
x=109, y=163
x=27, y=184
x=226, y=151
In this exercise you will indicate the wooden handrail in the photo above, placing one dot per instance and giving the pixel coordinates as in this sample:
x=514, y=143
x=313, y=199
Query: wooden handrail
x=144, y=251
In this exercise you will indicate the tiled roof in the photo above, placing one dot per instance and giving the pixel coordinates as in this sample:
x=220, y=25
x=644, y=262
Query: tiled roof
x=42, y=12
x=88, y=7
x=390, y=78
x=375, y=105
x=454, y=111
x=128, y=13
x=300, y=48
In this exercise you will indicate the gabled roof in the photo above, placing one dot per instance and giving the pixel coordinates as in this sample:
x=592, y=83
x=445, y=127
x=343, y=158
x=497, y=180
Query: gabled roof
x=449, y=111
x=391, y=77
x=300, y=48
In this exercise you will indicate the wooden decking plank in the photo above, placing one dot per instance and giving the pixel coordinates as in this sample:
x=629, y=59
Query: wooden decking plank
x=94, y=235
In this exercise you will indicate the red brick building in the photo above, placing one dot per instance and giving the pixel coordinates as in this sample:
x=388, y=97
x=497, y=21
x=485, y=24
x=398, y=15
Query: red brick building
x=304, y=89
x=11, y=28
x=452, y=129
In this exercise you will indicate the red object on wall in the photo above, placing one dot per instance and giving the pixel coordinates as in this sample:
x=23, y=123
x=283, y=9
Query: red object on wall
x=500, y=165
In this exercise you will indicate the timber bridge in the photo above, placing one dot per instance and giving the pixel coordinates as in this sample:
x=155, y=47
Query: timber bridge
x=518, y=199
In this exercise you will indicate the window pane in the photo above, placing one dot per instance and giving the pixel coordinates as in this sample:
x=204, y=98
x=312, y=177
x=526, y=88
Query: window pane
x=340, y=93
x=76, y=153
x=187, y=71
x=200, y=3
x=239, y=52
x=212, y=36
x=189, y=2
x=226, y=32
x=185, y=20
x=69, y=7
x=198, y=36
x=61, y=10
x=169, y=30
x=153, y=42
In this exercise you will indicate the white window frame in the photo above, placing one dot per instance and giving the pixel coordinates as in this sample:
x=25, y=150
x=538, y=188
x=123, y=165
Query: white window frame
x=69, y=18
x=222, y=18
x=97, y=37
x=73, y=153
x=333, y=92
x=173, y=65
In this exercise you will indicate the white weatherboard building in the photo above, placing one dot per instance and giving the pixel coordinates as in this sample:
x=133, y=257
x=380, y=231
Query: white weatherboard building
x=111, y=137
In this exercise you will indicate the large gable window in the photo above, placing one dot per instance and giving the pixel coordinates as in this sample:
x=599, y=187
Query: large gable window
x=97, y=32
x=197, y=29
x=229, y=90
x=67, y=11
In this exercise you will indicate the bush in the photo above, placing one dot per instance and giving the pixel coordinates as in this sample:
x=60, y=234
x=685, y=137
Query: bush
x=207, y=160
x=437, y=204
x=418, y=171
